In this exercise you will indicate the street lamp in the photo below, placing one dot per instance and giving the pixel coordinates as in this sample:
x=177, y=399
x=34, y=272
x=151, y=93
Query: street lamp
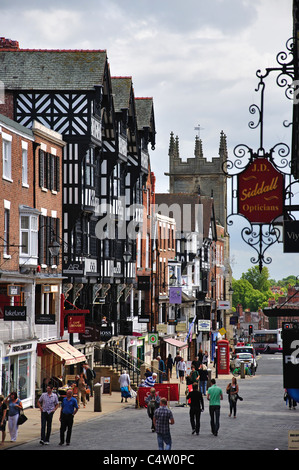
x=54, y=248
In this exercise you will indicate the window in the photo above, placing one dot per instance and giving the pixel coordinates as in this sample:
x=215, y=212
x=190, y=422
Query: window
x=49, y=171
x=24, y=164
x=6, y=155
x=28, y=238
x=6, y=233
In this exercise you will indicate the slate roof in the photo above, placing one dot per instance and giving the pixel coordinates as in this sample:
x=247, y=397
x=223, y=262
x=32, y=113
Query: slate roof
x=144, y=111
x=52, y=69
x=5, y=121
x=121, y=89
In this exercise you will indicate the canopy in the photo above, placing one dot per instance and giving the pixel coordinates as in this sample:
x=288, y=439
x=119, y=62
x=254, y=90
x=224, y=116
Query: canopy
x=66, y=352
x=176, y=342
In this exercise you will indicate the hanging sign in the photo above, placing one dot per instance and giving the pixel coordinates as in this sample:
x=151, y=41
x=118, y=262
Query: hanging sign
x=175, y=295
x=260, y=190
x=153, y=338
x=76, y=324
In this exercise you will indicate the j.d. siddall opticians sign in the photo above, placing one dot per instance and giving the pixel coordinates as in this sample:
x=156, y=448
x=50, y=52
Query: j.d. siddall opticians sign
x=260, y=192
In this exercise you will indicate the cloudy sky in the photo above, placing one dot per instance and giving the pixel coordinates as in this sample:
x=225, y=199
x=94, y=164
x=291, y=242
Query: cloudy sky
x=196, y=58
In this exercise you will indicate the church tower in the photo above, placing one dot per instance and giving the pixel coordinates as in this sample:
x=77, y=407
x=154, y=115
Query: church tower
x=196, y=175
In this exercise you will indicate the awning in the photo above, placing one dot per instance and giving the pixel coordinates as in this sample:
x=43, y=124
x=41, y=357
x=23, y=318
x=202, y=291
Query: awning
x=66, y=352
x=176, y=343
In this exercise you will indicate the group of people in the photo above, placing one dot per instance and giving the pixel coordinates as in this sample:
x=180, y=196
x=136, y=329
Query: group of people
x=48, y=403
x=162, y=417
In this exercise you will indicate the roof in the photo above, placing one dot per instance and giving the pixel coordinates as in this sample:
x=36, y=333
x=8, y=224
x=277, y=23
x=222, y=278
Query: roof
x=121, y=89
x=144, y=111
x=26, y=69
x=14, y=126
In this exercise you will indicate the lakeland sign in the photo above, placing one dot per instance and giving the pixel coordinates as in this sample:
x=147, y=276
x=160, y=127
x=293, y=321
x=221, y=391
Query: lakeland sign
x=260, y=192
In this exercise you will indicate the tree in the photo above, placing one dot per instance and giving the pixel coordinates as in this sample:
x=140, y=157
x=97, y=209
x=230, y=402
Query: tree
x=249, y=297
x=258, y=280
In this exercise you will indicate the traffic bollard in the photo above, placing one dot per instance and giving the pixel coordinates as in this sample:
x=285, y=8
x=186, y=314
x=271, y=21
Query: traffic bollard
x=242, y=370
x=97, y=392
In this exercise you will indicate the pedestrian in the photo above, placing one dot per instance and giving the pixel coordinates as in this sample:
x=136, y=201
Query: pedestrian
x=200, y=355
x=150, y=380
x=205, y=359
x=81, y=384
x=153, y=402
x=177, y=360
x=163, y=417
x=69, y=408
x=3, y=413
x=196, y=407
x=90, y=376
x=14, y=408
x=48, y=404
x=214, y=396
x=124, y=383
x=169, y=366
x=161, y=368
x=196, y=363
x=203, y=378
x=193, y=376
x=232, y=390
x=182, y=370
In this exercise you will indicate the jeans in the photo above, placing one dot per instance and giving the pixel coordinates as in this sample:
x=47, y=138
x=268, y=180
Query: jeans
x=215, y=418
x=46, y=420
x=164, y=438
x=203, y=386
x=66, y=425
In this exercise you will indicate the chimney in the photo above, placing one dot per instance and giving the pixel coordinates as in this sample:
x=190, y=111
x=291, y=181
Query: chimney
x=8, y=45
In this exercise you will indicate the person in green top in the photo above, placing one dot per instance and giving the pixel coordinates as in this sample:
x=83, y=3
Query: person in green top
x=214, y=395
x=194, y=375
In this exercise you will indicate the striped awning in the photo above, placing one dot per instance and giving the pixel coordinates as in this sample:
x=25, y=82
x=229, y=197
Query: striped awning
x=66, y=352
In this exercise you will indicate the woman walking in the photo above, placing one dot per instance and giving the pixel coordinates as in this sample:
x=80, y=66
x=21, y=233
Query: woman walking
x=232, y=390
x=124, y=383
x=14, y=407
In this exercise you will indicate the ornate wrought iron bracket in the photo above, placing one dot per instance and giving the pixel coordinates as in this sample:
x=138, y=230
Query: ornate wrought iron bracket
x=261, y=236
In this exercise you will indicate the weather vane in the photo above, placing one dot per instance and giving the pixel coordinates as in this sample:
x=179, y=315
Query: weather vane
x=198, y=128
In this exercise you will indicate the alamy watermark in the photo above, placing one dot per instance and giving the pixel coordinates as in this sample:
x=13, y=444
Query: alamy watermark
x=122, y=222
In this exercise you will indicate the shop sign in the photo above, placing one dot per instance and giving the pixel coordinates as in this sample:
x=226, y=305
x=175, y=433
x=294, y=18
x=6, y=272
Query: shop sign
x=175, y=295
x=13, y=290
x=12, y=313
x=204, y=325
x=91, y=333
x=260, y=192
x=76, y=324
x=291, y=236
x=45, y=319
x=106, y=334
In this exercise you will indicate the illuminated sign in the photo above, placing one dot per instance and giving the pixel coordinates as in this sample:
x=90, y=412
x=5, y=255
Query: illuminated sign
x=260, y=192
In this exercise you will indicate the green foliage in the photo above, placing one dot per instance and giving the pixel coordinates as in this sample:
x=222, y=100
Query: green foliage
x=252, y=290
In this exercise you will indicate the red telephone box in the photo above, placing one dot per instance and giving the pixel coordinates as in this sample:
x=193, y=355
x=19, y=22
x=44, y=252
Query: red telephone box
x=223, y=357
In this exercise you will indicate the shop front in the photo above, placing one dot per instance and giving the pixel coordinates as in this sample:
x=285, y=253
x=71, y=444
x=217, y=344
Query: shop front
x=18, y=371
x=56, y=360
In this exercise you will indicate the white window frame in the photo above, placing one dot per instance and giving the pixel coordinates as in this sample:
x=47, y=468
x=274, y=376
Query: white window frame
x=6, y=156
x=29, y=256
x=25, y=164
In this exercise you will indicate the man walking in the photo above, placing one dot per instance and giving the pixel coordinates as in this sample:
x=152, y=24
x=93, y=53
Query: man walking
x=48, y=404
x=196, y=407
x=69, y=408
x=153, y=402
x=163, y=417
x=214, y=396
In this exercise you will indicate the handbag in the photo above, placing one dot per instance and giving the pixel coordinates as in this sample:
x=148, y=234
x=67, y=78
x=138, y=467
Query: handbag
x=22, y=418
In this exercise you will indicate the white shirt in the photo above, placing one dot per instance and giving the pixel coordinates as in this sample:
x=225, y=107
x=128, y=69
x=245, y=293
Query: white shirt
x=124, y=380
x=182, y=365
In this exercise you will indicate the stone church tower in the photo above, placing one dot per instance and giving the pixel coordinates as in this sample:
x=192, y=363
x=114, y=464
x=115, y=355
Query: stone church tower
x=199, y=176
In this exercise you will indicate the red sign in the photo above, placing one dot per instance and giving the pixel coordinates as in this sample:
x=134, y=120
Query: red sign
x=260, y=192
x=168, y=391
x=76, y=324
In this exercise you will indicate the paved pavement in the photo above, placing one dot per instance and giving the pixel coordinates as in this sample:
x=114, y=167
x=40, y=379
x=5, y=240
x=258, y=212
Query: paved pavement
x=30, y=430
